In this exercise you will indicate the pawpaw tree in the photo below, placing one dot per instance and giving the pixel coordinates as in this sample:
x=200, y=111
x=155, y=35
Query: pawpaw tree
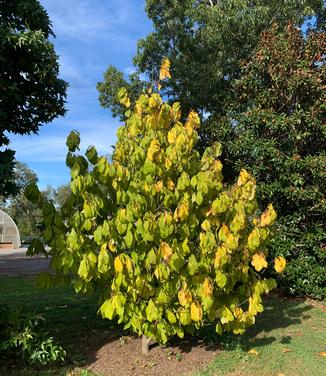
x=156, y=232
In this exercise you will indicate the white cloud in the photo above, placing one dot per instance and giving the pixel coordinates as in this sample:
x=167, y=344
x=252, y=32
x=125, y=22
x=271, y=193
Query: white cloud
x=85, y=20
x=52, y=148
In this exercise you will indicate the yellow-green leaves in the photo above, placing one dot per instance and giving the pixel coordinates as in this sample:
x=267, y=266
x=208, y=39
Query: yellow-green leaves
x=221, y=279
x=84, y=268
x=152, y=311
x=254, y=239
x=103, y=260
x=73, y=141
x=123, y=97
x=153, y=150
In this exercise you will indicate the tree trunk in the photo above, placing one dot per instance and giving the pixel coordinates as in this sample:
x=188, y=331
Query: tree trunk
x=146, y=342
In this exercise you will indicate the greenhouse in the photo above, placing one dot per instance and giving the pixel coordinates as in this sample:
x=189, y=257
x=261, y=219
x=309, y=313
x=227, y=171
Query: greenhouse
x=9, y=234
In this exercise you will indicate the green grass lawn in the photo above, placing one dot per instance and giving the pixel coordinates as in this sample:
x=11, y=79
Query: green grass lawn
x=286, y=341
x=286, y=337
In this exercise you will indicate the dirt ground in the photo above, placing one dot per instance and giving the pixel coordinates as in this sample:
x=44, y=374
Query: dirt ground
x=122, y=356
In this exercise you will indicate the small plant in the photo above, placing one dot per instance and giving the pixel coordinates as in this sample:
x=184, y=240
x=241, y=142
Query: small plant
x=22, y=336
x=178, y=357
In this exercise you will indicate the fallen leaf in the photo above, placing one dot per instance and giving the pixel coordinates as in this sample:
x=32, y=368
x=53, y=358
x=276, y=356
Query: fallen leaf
x=322, y=353
x=286, y=350
x=281, y=374
x=253, y=352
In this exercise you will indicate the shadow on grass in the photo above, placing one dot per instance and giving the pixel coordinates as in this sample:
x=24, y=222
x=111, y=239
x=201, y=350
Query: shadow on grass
x=279, y=313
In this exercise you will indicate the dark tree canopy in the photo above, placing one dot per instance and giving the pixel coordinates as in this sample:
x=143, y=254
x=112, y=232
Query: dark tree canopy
x=275, y=128
x=206, y=42
x=31, y=94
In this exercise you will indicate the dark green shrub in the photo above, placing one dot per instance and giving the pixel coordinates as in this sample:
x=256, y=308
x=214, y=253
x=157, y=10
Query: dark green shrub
x=276, y=129
x=23, y=339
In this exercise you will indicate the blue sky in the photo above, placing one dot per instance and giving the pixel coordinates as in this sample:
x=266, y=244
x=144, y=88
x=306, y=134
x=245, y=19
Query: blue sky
x=90, y=35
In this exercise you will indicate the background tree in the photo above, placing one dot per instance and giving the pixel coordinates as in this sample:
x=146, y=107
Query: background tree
x=61, y=195
x=276, y=129
x=31, y=94
x=205, y=42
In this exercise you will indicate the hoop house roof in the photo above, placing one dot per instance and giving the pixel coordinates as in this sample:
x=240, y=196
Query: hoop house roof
x=8, y=230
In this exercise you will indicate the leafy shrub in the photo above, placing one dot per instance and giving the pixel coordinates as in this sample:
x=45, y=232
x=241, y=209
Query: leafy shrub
x=22, y=338
x=168, y=245
x=306, y=257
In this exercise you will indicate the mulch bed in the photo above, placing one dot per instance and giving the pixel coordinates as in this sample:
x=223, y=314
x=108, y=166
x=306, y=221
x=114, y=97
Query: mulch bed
x=122, y=356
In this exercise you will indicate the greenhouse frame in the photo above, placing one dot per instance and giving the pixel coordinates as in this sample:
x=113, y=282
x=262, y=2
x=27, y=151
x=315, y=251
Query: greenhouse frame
x=9, y=234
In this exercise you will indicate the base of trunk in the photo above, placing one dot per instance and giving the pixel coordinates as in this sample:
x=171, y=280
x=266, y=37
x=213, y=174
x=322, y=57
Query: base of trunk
x=146, y=343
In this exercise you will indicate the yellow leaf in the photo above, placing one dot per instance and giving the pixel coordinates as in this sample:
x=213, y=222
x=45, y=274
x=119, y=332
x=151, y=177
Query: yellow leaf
x=185, y=297
x=220, y=257
x=128, y=264
x=253, y=352
x=196, y=311
x=159, y=186
x=322, y=353
x=243, y=177
x=154, y=101
x=259, y=261
x=166, y=251
x=206, y=225
x=112, y=246
x=165, y=69
x=193, y=120
x=118, y=265
x=171, y=185
x=123, y=97
x=268, y=217
x=279, y=264
x=207, y=287
x=182, y=211
x=238, y=313
x=286, y=350
x=217, y=166
x=153, y=150
x=168, y=164
x=172, y=136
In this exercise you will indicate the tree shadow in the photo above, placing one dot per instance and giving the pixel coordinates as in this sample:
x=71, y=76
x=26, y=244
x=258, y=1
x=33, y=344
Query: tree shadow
x=279, y=313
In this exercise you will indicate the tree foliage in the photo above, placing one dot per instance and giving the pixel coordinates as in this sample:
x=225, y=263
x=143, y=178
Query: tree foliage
x=205, y=42
x=31, y=93
x=155, y=230
x=276, y=129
